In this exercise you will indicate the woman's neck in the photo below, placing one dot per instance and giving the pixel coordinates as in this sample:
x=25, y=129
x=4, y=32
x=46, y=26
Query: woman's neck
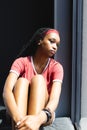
x=40, y=58
x=39, y=62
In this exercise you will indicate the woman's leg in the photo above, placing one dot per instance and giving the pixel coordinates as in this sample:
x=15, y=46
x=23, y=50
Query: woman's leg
x=38, y=96
x=21, y=95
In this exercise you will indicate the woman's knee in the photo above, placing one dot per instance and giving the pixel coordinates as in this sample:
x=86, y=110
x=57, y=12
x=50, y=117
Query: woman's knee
x=21, y=87
x=20, y=91
x=38, y=78
x=38, y=84
x=21, y=82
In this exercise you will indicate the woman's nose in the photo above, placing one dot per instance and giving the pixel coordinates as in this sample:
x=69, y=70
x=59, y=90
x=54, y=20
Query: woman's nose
x=55, y=46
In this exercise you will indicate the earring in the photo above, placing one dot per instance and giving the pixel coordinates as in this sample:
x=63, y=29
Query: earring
x=39, y=43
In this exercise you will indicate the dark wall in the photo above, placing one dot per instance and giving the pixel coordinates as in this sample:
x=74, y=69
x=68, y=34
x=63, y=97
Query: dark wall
x=18, y=21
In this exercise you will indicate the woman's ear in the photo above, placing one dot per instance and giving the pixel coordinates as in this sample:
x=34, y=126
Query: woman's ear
x=39, y=44
x=41, y=41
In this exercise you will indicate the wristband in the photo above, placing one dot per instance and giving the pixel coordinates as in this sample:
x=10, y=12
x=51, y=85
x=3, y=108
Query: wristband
x=48, y=114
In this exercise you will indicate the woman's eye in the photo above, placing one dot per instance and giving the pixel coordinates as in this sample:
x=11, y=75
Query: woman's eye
x=52, y=41
x=58, y=44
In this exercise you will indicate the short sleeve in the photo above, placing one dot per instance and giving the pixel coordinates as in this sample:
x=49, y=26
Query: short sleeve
x=57, y=72
x=18, y=66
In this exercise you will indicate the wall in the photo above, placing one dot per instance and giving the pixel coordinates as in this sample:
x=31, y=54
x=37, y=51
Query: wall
x=84, y=63
x=63, y=22
x=18, y=21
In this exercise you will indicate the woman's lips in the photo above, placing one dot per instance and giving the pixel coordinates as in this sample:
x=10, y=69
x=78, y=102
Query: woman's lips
x=52, y=52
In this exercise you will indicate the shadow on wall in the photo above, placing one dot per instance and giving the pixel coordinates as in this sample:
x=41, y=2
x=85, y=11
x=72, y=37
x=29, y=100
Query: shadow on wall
x=18, y=21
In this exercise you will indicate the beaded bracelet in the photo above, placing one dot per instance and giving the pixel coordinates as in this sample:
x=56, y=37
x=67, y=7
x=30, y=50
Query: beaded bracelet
x=48, y=114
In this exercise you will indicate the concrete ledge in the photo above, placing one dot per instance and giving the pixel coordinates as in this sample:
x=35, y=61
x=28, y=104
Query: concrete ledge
x=83, y=123
x=61, y=123
x=2, y=108
x=0, y=121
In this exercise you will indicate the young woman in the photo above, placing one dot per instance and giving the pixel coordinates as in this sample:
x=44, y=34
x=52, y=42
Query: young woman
x=33, y=86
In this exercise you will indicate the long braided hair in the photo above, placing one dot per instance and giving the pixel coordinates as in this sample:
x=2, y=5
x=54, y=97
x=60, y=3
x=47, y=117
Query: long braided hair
x=30, y=48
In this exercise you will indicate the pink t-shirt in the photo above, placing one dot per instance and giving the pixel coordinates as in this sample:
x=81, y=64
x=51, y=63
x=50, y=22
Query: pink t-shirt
x=24, y=67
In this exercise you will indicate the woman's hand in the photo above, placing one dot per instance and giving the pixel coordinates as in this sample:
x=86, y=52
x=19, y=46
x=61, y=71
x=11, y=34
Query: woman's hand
x=30, y=122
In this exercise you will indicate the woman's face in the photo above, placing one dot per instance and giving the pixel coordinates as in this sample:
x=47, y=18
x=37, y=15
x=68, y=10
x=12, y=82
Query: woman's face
x=50, y=43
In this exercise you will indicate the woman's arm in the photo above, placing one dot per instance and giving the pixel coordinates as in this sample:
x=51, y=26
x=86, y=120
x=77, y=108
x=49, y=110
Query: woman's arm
x=53, y=100
x=54, y=96
x=8, y=97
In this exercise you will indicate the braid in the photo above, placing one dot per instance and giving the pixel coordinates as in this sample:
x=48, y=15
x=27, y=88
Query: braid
x=30, y=48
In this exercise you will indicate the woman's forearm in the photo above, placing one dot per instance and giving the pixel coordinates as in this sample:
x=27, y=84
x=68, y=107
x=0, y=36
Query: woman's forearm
x=8, y=97
x=52, y=105
x=54, y=97
x=11, y=106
